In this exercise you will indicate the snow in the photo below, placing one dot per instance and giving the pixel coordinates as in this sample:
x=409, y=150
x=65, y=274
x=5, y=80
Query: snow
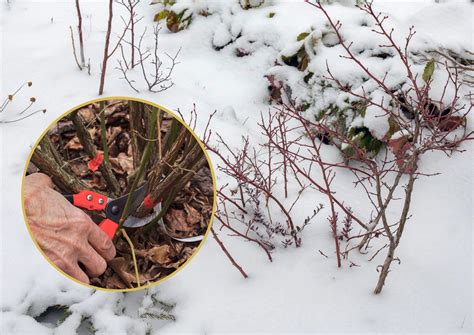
x=222, y=36
x=376, y=119
x=445, y=29
x=301, y=290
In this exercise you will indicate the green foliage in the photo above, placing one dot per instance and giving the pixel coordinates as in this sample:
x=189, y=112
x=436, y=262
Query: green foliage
x=337, y=119
x=175, y=21
x=165, y=306
x=159, y=310
x=365, y=140
x=179, y=21
x=300, y=59
x=55, y=315
x=58, y=313
x=158, y=316
x=429, y=70
x=87, y=325
x=271, y=15
x=161, y=15
x=290, y=60
x=302, y=36
x=393, y=126
x=65, y=315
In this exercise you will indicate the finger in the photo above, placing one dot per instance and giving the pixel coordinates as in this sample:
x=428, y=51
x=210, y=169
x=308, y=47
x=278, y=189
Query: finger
x=101, y=243
x=94, y=263
x=41, y=179
x=73, y=270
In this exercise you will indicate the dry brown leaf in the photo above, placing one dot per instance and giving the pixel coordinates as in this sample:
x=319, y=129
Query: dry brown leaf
x=63, y=126
x=112, y=134
x=93, y=132
x=187, y=252
x=116, y=167
x=193, y=216
x=115, y=106
x=120, y=266
x=175, y=220
x=122, y=163
x=149, y=277
x=115, y=282
x=87, y=114
x=74, y=144
x=159, y=254
x=126, y=162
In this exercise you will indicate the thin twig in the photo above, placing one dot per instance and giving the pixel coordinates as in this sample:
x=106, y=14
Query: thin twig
x=229, y=256
x=132, y=249
x=74, y=49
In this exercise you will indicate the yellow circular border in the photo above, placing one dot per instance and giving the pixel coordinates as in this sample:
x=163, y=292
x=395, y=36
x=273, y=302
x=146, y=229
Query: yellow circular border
x=174, y=115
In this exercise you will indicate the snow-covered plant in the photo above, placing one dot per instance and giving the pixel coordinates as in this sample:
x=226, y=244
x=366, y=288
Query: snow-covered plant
x=301, y=72
x=247, y=4
x=384, y=104
x=176, y=16
x=154, y=308
x=102, y=312
x=422, y=111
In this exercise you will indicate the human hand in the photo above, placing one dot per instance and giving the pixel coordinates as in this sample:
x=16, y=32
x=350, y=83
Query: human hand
x=65, y=233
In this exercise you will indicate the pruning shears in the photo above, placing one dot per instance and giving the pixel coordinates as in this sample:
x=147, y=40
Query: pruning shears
x=113, y=208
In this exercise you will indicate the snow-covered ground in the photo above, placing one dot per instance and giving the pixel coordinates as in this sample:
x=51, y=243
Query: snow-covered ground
x=300, y=291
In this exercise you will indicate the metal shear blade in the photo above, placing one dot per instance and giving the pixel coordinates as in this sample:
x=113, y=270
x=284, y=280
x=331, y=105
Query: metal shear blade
x=116, y=207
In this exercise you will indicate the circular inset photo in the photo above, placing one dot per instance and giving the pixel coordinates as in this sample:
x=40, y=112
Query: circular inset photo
x=118, y=194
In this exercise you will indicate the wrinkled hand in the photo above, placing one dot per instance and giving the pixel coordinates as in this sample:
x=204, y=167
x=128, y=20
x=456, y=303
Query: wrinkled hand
x=65, y=233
